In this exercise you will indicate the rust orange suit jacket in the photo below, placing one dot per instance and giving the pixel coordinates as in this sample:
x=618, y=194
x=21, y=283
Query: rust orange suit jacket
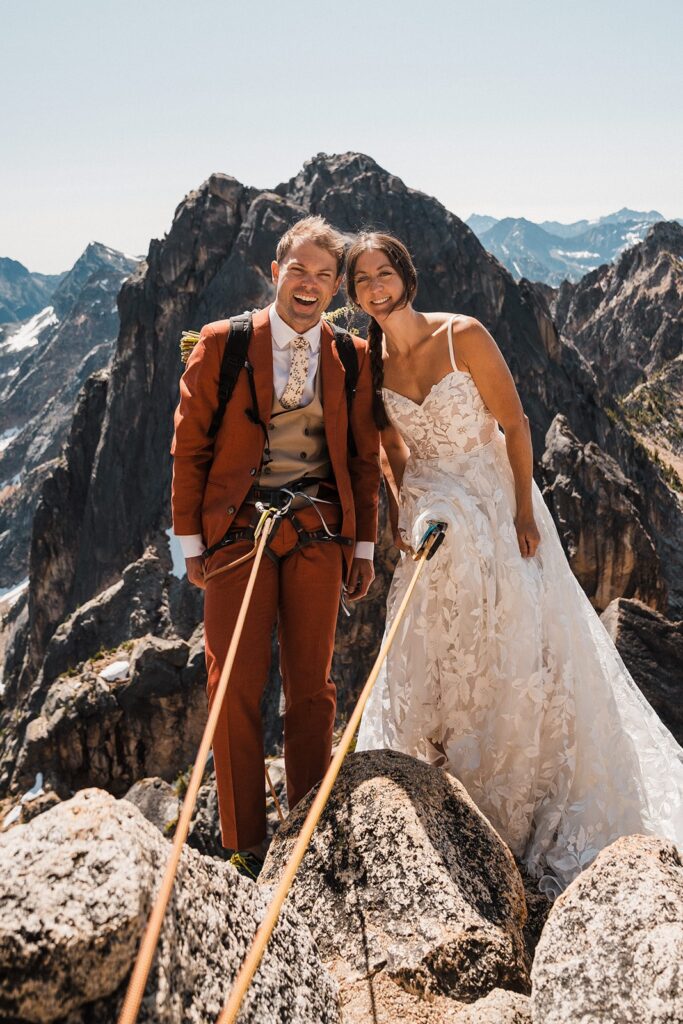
x=211, y=478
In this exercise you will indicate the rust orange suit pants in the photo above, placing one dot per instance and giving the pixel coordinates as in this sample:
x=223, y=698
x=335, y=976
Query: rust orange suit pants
x=302, y=593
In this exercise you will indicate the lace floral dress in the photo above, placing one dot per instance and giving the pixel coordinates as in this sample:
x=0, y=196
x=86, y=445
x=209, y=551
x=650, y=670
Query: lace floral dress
x=502, y=671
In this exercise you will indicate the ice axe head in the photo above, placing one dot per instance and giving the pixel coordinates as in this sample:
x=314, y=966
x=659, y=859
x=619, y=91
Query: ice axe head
x=432, y=539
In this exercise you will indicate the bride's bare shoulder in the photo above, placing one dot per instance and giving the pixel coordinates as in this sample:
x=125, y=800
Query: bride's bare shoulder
x=462, y=323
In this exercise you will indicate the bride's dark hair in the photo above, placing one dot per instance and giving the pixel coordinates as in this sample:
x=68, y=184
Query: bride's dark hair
x=399, y=257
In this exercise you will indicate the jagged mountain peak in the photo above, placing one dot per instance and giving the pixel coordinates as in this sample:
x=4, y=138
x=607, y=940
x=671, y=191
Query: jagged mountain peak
x=663, y=240
x=327, y=174
x=666, y=234
x=626, y=214
x=95, y=258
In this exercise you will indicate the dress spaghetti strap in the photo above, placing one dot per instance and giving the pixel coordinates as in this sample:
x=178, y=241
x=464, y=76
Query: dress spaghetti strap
x=450, y=344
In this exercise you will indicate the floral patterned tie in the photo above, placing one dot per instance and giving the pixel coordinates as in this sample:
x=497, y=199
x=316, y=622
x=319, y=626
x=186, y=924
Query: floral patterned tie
x=298, y=372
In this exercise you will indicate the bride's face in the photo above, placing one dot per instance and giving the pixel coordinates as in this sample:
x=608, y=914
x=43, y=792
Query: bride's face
x=377, y=284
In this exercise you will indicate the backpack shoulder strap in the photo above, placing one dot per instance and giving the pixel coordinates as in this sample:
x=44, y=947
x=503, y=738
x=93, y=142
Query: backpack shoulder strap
x=234, y=358
x=349, y=357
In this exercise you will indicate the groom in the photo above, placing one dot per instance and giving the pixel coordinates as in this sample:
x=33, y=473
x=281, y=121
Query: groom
x=298, y=438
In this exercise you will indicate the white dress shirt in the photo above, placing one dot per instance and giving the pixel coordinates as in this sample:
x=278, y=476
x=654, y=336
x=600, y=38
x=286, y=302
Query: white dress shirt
x=283, y=335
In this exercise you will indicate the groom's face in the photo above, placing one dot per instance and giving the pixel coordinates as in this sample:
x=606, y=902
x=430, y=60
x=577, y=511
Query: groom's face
x=305, y=280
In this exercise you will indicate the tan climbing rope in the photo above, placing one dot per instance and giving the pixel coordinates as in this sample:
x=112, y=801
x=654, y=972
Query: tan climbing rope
x=271, y=787
x=143, y=962
x=427, y=548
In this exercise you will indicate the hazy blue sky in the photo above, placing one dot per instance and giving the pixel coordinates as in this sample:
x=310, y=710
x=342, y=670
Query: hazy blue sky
x=112, y=111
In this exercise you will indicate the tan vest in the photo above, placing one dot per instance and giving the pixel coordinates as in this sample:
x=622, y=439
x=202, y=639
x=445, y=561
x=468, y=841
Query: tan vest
x=298, y=446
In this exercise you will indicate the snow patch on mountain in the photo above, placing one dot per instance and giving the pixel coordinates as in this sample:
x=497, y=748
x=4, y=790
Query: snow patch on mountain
x=7, y=437
x=29, y=333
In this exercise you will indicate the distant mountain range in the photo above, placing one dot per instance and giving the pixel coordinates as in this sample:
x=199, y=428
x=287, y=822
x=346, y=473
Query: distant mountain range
x=22, y=293
x=552, y=252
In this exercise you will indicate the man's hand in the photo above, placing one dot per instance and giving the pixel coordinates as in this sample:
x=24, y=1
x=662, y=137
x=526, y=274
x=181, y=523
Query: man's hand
x=361, y=576
x=195, y=571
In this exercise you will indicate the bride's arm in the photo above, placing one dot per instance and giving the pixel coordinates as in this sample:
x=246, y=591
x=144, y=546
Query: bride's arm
x=394, y=454
x=478, y=351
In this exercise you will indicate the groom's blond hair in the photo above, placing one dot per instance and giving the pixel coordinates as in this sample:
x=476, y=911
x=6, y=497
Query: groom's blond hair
x=316, y=230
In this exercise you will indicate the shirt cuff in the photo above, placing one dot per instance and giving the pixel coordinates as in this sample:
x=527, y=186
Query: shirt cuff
x=192, y=546
x=364, y=549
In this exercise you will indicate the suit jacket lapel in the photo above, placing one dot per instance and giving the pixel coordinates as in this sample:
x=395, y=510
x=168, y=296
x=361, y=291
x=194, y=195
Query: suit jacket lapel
x=333, y=375
x=261, y=358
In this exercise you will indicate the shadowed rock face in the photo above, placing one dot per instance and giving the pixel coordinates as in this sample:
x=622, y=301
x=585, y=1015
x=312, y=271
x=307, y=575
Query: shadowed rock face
x=397, y=833
x=596, y=510
x=69, y=936
x=652, y=648
x=109, y=733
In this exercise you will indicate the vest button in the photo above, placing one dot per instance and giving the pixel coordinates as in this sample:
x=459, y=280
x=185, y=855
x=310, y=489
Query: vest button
x=271, y=426
x=267, y=469
x=231, y=510
x=252, y=472
x=306, y=431
x=303, y=455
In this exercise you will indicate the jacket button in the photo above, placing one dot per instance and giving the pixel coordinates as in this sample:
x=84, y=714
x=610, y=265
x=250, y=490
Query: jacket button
x=252, y=472
x=303, y=455
x=231, y=510
x=306, y=431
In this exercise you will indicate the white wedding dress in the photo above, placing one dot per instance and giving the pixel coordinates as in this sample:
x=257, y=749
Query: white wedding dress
x=502, y=671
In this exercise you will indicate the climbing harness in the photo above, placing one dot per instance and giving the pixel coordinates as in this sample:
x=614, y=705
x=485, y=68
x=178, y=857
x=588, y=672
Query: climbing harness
x=430, y=542
x=281, y=500
x=143, y=962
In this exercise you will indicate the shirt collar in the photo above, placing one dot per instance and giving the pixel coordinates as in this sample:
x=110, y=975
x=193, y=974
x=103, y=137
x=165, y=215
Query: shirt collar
x=283, y=334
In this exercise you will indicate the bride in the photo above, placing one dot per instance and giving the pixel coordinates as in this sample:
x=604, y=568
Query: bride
x=502, y=671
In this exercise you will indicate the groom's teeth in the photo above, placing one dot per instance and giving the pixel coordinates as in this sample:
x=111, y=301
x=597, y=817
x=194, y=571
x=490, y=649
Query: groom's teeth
x=305, y=298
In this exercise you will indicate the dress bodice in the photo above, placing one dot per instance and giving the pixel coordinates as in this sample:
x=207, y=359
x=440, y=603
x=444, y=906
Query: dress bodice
x=452, y=420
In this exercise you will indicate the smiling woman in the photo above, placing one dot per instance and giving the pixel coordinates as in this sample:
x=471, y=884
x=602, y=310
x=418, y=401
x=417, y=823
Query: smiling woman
x=505, y=677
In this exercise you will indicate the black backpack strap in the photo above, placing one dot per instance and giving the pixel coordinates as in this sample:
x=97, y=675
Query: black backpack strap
x=234, y=359
x=349, y=357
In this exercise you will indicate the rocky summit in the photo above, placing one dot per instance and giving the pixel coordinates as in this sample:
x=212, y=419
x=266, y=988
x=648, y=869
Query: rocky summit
x=399, y=834
x=408, y=906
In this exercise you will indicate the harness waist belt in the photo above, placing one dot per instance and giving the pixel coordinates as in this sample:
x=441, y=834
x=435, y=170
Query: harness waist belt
x=277, y=496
